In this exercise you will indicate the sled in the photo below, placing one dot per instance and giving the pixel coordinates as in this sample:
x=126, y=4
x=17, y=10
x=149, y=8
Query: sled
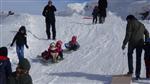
x=87, y=17
x=121, y=79
x=66, y=45
x=47, y=62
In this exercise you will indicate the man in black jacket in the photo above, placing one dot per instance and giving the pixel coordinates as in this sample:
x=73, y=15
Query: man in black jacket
x=102, y=5
x=49, y=15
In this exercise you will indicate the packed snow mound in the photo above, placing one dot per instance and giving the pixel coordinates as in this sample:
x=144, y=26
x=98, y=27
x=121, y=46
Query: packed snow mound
x=85, y=8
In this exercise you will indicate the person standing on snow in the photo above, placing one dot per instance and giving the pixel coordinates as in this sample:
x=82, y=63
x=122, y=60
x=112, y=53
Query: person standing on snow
x=49, y=14
x=21, y=40
x=135, y=32
x=5, y=66
x=102, y=5
x=95, y=14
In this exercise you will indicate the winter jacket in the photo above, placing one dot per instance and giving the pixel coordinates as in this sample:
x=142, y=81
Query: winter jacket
x=135, y=32
x=95, y=12
x=48, y=13
x=5, y=65
x=5, y=69
x=74, y=46
x=102, y=5
x=25, y=79
x=20, y=39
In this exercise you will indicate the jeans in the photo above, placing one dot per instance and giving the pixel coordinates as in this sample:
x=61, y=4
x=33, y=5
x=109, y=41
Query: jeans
x=20, y=52
x=138, y=59
x=48, y=25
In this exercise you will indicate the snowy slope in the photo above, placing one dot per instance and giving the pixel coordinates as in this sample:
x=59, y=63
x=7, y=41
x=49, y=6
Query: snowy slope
x=99, y=57
x=119, y=7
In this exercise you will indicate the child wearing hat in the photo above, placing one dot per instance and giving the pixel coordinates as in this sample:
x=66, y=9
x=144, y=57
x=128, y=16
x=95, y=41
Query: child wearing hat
x=73, y=44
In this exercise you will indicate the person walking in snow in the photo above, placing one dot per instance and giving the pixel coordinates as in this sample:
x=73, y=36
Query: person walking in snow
x=5, y=66
x=95, y=14
x=49, y=14
x=21, y=40
x=21, y=75
x=102, y=5
x=135, y=32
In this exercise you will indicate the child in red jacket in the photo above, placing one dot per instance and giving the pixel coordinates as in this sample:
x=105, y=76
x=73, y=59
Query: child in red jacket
x=59, y=49
x=52, y=53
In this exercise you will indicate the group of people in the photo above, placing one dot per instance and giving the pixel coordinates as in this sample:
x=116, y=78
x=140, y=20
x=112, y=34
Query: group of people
x=100, y=11
x=135, y=32
x=55, y=51
x=20, y=76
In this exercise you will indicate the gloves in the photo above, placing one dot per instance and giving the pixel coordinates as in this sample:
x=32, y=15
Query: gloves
x=123, y=47
x=27, y=46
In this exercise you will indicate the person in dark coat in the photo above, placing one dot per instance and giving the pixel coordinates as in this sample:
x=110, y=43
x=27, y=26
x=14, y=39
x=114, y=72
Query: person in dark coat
x=147, y=57
x=5, y=66
x=21, y=75
x=21, y=40
x=102, y=5
x=49, y=14
x=95, y=14
x=135, y=32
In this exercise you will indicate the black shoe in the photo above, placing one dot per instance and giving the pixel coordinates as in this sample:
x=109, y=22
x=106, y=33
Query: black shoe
x=130, y=73
x=137, y=78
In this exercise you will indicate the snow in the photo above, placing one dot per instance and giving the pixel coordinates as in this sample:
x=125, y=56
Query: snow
x=119, y=7
x=100, y=55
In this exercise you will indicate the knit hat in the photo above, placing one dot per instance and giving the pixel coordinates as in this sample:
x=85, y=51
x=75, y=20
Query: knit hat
x=131, y=17
x=74, y=39
x=3, y=51
x=58, y=43
x=24, y=64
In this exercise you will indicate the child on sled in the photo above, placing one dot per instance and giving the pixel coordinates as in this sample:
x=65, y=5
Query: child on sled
x=73, y=44
x=54, y=52
x=51, y=53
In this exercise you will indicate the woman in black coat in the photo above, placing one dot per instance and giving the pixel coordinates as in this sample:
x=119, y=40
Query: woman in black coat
x=102, y=5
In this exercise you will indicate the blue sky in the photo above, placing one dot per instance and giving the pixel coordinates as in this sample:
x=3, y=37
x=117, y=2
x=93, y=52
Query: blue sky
x=32, y=6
